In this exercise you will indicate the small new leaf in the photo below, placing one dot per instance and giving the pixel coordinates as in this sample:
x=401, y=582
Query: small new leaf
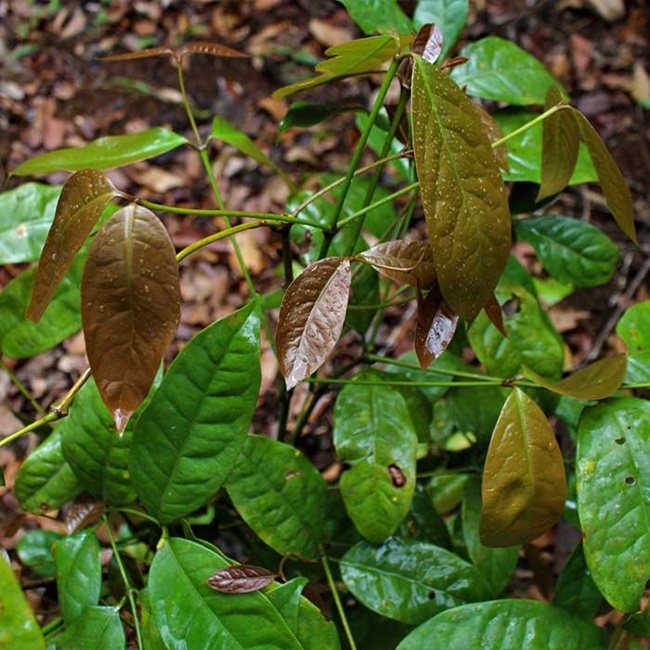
x=435, y=327
x=410, y=262
x=311, y=317
x=241, y=579
x=428, y=43
x=215, y=49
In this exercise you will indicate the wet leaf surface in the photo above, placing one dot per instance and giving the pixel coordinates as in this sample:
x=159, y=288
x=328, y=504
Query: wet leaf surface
x=435, y=327
x=408, y=262
x=448, y=15
x=241, y=579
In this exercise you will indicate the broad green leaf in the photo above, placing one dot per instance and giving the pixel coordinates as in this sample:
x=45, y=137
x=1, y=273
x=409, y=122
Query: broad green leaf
x=26, y=214
x=598, y=380
x=306, y=114
x=223, y=130
x=82, y=201
x=377, y=140
x=20, y=338
x=97, y=627
x=378, y=16
x=448, y=15
x=423, y=522
x=633, y=327
x=617, y=193
x=506, y=625
x=364, y=296
x=45, y=481
x=280, y=495
x=150, y=634
x=462, y=192
x=78, y=573
x=447, y=491
x=576, y=591
x=407, y=262
x=373, y=432
x=525, y=150
x=560, y=146
x=189, y=437
x=613, y=474
x=34, y=549
x=359, y=57
x=571, y=250
x=130, y=309
x=495, y=564
x=524, y=483
x=476, y=409
x=18, y=627
x=410, y=581
x=500, y=70
x=105, y=153
x=311, y=318
x=189, y=614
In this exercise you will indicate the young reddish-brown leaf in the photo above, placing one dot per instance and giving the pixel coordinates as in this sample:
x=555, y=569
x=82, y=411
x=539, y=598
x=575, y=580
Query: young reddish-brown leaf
x=463, y=195
x=82, y=201
x=410, y=262
x=130, y=306
x=494, y=313
x=83, y=514
x=428, y=42
x=617, y=193
x=598, y=380
x=434, y=328
x=241, y=579
x=311, y=317
x=560, y=146
x=142, y=54
x=524, y=482
x=215, y=49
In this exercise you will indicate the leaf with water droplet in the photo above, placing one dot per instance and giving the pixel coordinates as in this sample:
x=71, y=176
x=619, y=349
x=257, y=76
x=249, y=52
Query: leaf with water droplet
x=241, y=579
x=410, y=262
x=435, y=327
x=127, y=330
x=82, y=201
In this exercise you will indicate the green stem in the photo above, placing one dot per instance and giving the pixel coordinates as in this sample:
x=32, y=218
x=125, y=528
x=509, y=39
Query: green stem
x=338, y=603
x=52, y=627
x=138, y=513
x=357, y=382
x=49, y=417
x=125, y=579
x=21, y=387
x=186, y=103
x=528, y=125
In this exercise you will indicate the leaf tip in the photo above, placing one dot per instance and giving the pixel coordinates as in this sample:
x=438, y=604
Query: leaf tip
x=121, y=419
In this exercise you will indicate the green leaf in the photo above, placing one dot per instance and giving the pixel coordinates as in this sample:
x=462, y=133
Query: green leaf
x=613, y=472
x=189, y=614
x=130, y=310
x=378, y=16
x=447, y=491
x=464, y=199
x=525, y=150
x=500, y=70
x=424, y=523
x=595, y=381
x=188, y=439
x=280, y=495
x=78, y=573
x=448, y=15
x=26, y=214
x=633, y=327
x=306, y=114
x=495, y=564
x=476, y=409
x=410, y=581
x=364, y=296
x=576, y=591
x=97, y=627
x=524, y=482
x=83, y=199
x=45, y=481
x=34, y=549
x=506, y=625
x=105, y=153
x=373, y=432
x=571, y=250
x=18, y=627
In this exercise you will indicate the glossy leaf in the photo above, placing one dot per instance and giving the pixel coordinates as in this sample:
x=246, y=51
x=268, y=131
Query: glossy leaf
x=311, y=318
x=495, y=564
x=448, y=15
x=378, y=16
x=576, y=591
x=18, y=627
x=96, y=627
x=494, y=133
x=306, y=114
x=408, y=262
x=613, y=472
x=241, y=579
x=506, y=625
x=189, y=437
x=130, y=309
x=633, y=327
x=189, y=613
x=34, y=549
x=462, y=192
x=498, y=69
x=494, y=312
x=373, y=432
x=476, y=409
x=524, y=483
x=362, y=56
x=598, y=380
x=617, y=193
x=45, y=481
x=108, y=152
x=280, y=495
x=571, y=250
x=26, y=214
x=78, y=573
x=83, y=514
x=83, y=199
x=434, y=328
x=428, y=42
x=560, y=146
x=410, y=581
